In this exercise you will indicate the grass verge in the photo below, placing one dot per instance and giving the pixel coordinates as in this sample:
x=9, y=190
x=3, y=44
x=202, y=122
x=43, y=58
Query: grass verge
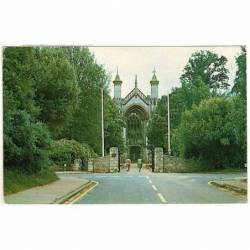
x=230, y=170
x=16, y=181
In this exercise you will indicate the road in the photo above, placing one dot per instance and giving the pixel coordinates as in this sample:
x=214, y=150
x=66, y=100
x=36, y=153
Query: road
x=156, y=188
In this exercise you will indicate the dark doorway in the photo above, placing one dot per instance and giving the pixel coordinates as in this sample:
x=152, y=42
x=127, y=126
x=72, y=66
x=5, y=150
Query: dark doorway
x=135, y=153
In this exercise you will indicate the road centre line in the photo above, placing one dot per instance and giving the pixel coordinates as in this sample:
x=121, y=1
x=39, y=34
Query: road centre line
x=154, y=187
x=118, y=176
x=162, y=198
x=150, y=181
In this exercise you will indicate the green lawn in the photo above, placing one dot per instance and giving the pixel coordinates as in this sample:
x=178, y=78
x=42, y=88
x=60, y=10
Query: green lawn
x=15, y=181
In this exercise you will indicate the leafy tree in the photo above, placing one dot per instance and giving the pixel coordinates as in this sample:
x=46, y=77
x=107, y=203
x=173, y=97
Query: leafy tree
x=26, y=140
x=209, y=66
x=184, y=98
x=238, y=119
x=181, y=99
x=113, y=125
x=57, y=89
x=87, y=72
x=42, y=82
x=157, y=125
x=19, y=85
x=240, y=81
x=85, y=125
x=207, y=132
x=26, y=143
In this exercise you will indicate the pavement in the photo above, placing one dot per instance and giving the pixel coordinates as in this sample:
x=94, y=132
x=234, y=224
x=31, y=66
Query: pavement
x=55, y=192
x=238, y=185
x=146, y=187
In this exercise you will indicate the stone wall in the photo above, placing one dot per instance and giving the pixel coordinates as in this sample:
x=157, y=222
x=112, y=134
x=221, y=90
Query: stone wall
x=101, y=164
x=173, y=164
x=106, y=164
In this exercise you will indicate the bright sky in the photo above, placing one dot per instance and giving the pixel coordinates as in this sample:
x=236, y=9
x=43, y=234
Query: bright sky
x=168, y=62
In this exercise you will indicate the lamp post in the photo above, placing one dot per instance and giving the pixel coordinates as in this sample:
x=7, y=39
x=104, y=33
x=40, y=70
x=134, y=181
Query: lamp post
x=169, y=145
x=102, y=124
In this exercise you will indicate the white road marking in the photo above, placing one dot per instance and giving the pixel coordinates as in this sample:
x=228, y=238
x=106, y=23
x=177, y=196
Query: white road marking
x=150, y=181
x=154, y=187
x=113, y=176
x=162, y=198
x=147, y=177
x=118, y=176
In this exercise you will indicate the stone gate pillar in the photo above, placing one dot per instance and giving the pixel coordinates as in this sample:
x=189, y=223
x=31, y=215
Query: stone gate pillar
x=91, y=165
x=158, y=160
x=114, y=161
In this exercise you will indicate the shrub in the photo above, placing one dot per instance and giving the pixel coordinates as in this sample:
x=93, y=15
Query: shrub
x=26, y=143
x=66, y=151
x=209, y=132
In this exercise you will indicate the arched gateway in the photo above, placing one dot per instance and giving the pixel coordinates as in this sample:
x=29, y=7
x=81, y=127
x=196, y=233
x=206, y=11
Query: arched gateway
x=136, y=109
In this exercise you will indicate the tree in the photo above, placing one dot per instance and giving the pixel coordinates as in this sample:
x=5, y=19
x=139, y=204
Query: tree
x=157, y=125
x=239, y=117
x=18, y=82
x=207, y=132
x=26, y=140
x=87, y=72
x=42, y=82
x=181, y=99
x=184, y=98
x=240, y=81
x=113, y=125
x=57, y=90
x=26, y=143
x=85, y=125
x=209, y=66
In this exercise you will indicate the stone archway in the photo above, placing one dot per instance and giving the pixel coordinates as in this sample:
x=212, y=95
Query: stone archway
x=136, y=121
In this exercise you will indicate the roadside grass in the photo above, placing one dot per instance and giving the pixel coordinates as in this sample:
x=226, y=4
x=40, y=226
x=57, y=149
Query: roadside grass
x=16, y=181
x=230, y=170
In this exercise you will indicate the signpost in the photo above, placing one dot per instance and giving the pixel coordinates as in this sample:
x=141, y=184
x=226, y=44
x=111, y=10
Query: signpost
x=169, y=146
x=102, y=126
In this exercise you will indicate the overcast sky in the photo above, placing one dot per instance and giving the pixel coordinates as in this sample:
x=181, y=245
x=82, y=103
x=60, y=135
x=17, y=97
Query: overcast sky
x=168, y=62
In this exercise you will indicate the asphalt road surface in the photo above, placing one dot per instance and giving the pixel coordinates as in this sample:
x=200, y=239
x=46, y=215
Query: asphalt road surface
x=156, y=188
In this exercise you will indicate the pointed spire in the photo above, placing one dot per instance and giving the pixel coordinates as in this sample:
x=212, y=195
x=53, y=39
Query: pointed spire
x=117, y=78
x=154, y=78
x=136, y=81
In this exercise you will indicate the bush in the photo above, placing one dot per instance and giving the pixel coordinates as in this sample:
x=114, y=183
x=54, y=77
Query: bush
x=66, y=151
x=209, y=132
x=26, y=143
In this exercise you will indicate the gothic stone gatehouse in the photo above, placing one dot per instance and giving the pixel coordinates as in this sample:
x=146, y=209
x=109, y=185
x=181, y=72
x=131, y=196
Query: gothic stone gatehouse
x=136, y=109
